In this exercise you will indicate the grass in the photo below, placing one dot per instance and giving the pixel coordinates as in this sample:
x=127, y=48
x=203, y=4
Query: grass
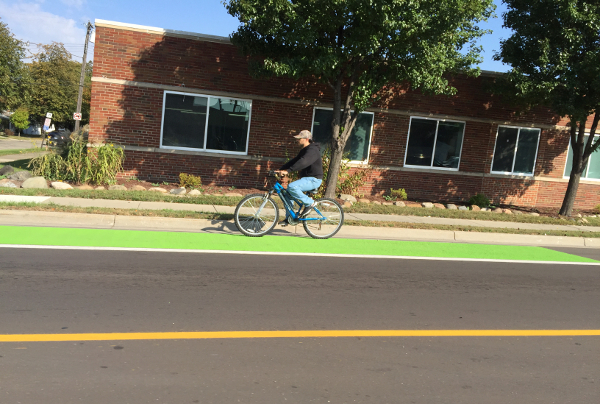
x=19, y=151
x=169, y=213
x=146, y=196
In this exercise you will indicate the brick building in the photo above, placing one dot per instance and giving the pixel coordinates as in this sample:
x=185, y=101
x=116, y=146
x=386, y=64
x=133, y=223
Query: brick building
x=184, y=102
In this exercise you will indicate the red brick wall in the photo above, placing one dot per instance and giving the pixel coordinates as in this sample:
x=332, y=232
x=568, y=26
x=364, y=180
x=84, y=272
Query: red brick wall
x=132, y=116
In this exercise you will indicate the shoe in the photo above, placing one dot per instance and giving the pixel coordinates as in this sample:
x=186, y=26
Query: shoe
x=307, y=210
x=283, y=223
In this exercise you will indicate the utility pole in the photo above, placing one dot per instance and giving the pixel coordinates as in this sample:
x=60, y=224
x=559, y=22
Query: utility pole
x=82, y=77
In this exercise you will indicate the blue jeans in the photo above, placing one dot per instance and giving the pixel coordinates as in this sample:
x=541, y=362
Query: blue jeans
x=304, y=184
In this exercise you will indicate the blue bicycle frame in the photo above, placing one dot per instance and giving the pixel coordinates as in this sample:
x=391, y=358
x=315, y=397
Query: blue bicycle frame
x=288, y=202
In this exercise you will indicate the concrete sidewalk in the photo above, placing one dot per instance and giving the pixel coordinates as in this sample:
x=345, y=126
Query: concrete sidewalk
x=33, y=218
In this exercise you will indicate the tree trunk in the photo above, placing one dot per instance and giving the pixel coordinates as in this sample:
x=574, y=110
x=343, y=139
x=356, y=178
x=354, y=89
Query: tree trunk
x=576, y=168
x=567, y=205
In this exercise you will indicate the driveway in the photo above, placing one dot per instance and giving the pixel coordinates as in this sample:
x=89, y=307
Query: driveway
x=26, y=143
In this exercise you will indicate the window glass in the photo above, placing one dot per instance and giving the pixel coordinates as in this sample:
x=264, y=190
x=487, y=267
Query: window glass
x=420, y=142
x=592, y=171
x=228, y=124
x=357, y=146
x=505, y=149
x=184, y=121
x=526, y=151
x=433, y=143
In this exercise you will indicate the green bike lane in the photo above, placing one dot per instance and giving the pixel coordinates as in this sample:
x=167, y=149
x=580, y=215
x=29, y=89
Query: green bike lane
x=12, y=236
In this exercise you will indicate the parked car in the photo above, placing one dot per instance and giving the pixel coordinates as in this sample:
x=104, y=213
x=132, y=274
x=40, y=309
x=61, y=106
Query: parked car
x=58, y=138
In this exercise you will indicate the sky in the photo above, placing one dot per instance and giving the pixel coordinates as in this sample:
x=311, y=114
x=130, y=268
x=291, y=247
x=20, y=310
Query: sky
x=46, y=21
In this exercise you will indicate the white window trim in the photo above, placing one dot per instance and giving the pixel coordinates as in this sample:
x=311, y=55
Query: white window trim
x=430, y=166
x=204, y=149
x=587, y=169
x=537, y=147
x=361, y=162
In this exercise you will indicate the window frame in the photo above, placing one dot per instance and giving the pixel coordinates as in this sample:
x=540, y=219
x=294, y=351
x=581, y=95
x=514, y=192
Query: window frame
x=587, y=169
x=204, y=149
x=431, y=166
x=537, y=149
x=362, y=162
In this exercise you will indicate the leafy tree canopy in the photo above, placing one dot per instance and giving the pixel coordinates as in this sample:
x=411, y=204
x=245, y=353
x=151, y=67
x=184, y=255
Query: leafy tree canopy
x=358, y=47
x=20, y=118
x=12, y=74
x=555, y=59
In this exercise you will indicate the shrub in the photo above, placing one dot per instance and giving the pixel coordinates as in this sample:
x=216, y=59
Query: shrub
x=347, y=183
x=480, y=200
x=597, y=209
x=78, y=163
x=399, y=193
x=9, y=132
x=189, y=181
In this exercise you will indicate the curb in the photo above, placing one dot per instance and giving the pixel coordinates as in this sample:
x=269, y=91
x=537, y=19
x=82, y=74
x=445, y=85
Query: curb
x=116, y=222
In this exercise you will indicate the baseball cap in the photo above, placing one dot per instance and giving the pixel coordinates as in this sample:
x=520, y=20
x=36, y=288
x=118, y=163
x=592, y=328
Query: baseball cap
x=305, y=134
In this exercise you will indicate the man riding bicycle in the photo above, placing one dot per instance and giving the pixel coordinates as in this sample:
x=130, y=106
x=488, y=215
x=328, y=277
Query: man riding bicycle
x=310, y=166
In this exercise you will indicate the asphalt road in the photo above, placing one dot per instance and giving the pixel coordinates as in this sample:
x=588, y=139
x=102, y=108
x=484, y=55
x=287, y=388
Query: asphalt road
x=25, y=143
x=57, y=292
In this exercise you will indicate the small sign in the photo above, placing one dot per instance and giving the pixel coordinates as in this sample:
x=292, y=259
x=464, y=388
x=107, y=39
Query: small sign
x=77, y=116
x=47, y=124
x=49, y=115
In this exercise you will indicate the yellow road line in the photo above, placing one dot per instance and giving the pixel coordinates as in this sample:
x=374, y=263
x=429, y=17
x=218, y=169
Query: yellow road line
x=290, y=334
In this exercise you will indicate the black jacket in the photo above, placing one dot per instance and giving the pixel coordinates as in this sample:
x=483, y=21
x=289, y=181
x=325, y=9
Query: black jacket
x=308, y=162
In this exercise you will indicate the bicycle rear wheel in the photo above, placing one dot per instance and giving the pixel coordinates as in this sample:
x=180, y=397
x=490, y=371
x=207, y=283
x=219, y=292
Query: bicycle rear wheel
x=325, y=220
x=250, y=221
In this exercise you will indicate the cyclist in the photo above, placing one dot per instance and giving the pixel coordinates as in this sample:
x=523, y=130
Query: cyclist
x=310, y=166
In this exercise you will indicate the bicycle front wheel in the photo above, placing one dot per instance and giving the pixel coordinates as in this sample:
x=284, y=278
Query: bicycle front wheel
x=325, y=220
x=256, y=215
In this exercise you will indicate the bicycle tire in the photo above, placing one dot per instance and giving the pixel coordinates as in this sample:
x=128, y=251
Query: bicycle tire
x=335, y=219
x=246, y=219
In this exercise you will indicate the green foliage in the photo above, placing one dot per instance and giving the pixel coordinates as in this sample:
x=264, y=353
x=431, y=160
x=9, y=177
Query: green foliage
x=554, y=55
x=20, y=118
x=597, y=208
x=77, y=164
x=358, y=47
x=480, y=200
x=348, y=182
x=14, y=80
x=399, y=193
x=189, y=181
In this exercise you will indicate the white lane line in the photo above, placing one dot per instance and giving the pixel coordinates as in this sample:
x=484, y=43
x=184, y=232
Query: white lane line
x=21, y=198
x=401, y=257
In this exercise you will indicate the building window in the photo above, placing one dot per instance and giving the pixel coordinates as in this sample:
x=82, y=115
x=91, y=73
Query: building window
x=592, y=171
x=359, y=142
x=434, y=143
x=201, y=122
x=516, y=150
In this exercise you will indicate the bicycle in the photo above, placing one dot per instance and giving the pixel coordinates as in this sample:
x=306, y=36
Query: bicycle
x=258, y=214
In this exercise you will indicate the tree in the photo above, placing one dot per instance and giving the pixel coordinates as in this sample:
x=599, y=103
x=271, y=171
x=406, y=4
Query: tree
x=555, y=53
x=20, y=119
x=360, y=49
x=55, y=78
x=13, y=76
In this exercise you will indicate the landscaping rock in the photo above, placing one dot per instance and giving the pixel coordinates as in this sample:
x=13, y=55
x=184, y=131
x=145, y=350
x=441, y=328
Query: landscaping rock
x=60, y=185
x=6, y=170
x=138, y=188
x=463, y=208
x=6, y=183
x=507, y=211
x=584, y=220
x=376, y=203
x=387, y=203
x=178, y=191
x=534, y=214
x=100, y=188
x=364, y=200
x=579, y=215
x=451, y=206
x=497, y=210
x=400, y=203
x=20, y=176
x=194, y=192
x=347, y=204
x=488, y=210
x=158, y=189
x=518, y=212
x=117, y=188
x=85, y=187
x=475, y=208
x=439, y=206
x=233, y=194
x=427, y=205
x=35, y=182
x=349, y=198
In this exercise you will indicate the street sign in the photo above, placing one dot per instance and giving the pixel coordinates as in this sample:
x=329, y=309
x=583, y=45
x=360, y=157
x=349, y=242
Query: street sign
x=49, y=115
x=47, y=124
x=77, y=116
